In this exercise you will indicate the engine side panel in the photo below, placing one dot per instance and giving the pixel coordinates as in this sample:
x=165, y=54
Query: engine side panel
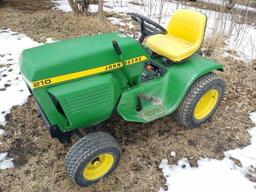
x=72, y=79
x=86, y=102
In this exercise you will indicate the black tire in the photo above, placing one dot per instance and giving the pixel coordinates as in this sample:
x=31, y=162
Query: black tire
x=85, y=151
x=185, y=112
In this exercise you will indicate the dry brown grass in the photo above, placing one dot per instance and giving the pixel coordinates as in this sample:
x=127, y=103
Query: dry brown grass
x=27, y=5
x=212, y=45
x=48, y=22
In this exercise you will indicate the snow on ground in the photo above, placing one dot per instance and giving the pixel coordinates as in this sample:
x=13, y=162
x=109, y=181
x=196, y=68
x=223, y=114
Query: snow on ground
x=5, y=161
x=213, y=175
x=245, y=8
x=1, y=131
x=13, y=90
x=247, y=155
x=240, y=37
x=224, y=2
x=62, y=5
x=217, y=2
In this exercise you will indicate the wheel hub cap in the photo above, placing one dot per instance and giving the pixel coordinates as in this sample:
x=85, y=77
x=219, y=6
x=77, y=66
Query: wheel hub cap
x=98, y=166
x=206, y=104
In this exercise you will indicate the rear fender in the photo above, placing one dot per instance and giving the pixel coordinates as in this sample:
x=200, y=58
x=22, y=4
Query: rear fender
x=169, y=89
x=183, y=75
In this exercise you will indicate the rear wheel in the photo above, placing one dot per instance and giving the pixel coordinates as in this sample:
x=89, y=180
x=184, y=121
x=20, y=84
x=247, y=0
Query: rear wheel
x=93, y=157
x=201, y=101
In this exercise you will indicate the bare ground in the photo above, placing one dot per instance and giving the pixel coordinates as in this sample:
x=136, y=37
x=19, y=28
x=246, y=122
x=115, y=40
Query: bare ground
x=39, y=160
x=39, y=20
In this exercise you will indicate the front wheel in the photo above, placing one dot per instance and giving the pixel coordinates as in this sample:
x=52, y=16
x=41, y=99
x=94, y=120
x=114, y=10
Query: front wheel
x=93, y=157
x=201, y=101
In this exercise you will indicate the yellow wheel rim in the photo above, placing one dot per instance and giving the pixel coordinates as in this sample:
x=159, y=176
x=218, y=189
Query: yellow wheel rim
x=206, y=104
x=98, y=166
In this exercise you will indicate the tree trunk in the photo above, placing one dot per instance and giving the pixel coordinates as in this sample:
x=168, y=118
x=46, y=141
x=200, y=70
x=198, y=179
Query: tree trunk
x=230, y=5
x=100, y=12
x=74, y=6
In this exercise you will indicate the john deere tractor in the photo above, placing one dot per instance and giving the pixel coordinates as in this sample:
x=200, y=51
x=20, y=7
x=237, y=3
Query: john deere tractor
x=80, y=82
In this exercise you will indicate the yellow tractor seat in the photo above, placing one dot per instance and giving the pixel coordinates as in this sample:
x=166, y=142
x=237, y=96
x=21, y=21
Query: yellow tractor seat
x=185, y=33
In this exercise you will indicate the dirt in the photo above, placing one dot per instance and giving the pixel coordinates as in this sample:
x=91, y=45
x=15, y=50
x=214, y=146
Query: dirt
x=39, y=20
x=39, y=160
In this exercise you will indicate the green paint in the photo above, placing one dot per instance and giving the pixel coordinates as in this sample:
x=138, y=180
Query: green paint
x=168, y=90
x=87, y=101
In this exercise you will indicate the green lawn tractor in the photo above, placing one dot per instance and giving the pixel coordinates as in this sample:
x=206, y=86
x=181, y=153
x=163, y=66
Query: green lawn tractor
x=80, y=82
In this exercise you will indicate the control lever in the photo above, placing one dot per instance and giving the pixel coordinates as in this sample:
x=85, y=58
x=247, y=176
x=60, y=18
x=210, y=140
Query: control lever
x=119, y=53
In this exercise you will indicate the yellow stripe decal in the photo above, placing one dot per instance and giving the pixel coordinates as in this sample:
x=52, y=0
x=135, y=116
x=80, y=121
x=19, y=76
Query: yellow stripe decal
x=71, y=76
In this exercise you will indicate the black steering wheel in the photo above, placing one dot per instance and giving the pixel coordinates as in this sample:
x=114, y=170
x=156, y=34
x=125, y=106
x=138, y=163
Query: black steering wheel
x=147, y=26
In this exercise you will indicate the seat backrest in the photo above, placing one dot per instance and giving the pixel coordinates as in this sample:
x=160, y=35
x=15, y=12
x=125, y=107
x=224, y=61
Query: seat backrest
x=187, y=25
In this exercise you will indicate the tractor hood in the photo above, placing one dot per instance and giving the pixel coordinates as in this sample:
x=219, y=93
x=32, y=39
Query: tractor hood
x=75, y=55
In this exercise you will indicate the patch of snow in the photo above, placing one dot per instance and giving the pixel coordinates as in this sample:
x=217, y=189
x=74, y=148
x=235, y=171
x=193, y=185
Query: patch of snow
x=224, y=2
x=1, y=131
x=93, y=8
x=173, y=154
x=246, y=8
x=50, y=40
x=247, y=155
x=13, y=90
x=114, y=20
x=213, y=175
x=217, y=2
x=62, y=5
x=253, y=117
x=5, y=162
